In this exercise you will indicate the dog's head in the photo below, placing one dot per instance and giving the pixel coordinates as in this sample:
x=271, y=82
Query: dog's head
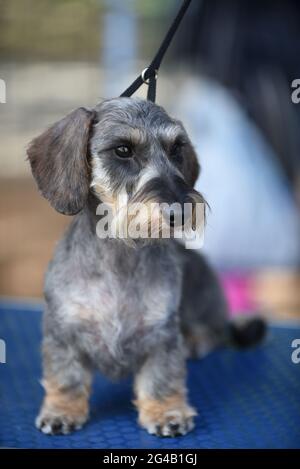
x=126, y=149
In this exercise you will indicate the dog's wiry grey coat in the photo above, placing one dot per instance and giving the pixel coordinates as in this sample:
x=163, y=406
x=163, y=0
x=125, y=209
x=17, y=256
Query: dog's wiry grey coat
x=111, y=306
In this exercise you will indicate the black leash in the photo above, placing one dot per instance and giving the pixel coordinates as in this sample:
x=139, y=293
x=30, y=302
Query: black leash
x=149, y=74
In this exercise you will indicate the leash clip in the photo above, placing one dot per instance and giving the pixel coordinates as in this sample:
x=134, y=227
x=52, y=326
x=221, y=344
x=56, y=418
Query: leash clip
x=155, y=64
x=147, y=80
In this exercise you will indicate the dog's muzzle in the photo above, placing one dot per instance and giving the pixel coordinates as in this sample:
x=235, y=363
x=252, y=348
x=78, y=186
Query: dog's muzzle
x=177, y=200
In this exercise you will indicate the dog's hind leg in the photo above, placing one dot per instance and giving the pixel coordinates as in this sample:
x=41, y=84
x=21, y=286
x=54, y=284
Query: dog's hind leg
x=204, y=316
x=67, y=385
x=203, y=309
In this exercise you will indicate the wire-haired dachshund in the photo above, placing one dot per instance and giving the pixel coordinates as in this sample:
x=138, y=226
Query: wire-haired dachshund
x=122, y=305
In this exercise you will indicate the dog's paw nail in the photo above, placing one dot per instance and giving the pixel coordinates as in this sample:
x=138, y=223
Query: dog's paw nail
x=173, y=424
x=57, y=425
x=174, y=429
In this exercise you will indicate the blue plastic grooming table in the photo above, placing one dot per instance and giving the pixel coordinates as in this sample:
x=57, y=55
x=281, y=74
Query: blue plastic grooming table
x=245, y=399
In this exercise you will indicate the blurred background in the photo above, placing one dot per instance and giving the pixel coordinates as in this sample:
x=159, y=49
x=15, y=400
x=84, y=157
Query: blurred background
x=227, y=76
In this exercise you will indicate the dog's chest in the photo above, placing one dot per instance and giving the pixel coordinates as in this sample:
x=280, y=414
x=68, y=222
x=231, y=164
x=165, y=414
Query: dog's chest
x=124, y=316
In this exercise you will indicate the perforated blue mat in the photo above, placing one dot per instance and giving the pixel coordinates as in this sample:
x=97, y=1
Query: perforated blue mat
x=248, y=399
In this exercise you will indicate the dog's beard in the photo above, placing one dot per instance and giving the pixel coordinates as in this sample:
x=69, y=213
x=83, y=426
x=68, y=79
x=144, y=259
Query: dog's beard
x=152, y=216
x=137, y=222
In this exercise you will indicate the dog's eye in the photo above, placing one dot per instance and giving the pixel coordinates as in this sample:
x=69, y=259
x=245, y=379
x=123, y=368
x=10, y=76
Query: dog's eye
x=123, y=151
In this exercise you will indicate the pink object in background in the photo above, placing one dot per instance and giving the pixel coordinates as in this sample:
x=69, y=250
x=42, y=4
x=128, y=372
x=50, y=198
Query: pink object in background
x=238, y=292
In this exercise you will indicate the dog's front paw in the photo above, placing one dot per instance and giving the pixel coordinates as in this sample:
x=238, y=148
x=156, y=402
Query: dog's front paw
x=170, y=417
x=173, y=423
x=54, y=423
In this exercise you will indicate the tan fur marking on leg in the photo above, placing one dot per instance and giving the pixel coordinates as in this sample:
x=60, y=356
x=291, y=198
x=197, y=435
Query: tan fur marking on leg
x=156, y=410
x=66, y=402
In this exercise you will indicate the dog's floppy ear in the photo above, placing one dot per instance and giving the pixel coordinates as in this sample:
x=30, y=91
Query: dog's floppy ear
x=191, y=166
x=58, y=159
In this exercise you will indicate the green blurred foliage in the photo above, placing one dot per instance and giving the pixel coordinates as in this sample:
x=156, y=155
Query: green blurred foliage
x=49, y=29
x=70, y=29
x=154, y=8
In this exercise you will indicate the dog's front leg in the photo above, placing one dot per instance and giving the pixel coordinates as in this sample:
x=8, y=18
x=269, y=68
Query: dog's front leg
x=67, y=386
x=161, y=393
